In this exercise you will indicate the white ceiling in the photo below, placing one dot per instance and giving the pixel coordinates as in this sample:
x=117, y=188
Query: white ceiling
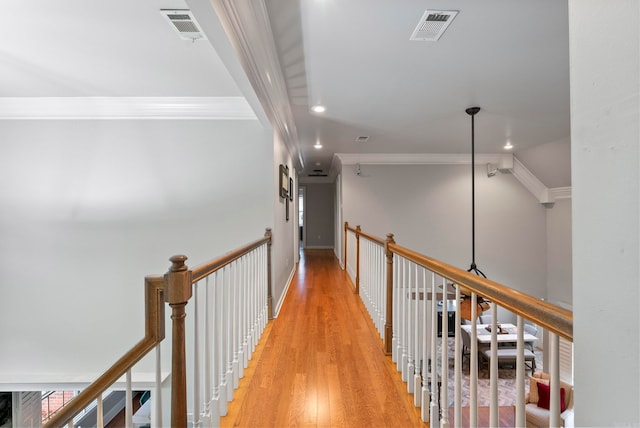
x=510, y=58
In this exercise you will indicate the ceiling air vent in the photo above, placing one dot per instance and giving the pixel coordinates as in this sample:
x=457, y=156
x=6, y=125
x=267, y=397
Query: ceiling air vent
x=433, y=24
x=362, y=138
x=183, y=21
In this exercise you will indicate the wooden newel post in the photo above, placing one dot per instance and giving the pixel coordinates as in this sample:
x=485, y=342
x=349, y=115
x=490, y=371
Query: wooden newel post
x=358, y=230
x=388, y=326
x=346, y=229
x=177, y=294
x=267, y=234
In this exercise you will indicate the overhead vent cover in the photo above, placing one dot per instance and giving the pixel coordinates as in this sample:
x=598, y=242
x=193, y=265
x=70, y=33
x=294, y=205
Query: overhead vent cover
x=362, y=138
x=183, y=21
x=433, y=24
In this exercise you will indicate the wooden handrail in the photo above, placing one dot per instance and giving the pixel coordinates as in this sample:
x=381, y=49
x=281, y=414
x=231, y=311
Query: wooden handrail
x=207, y=268
x=359, y=232
x=173, y=288
x=154, y=334
x=549, y=316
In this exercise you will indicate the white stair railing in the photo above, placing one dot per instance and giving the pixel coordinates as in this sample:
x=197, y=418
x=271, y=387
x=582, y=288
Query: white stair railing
x=413, y=293
x=213, y=339
x=229, y=315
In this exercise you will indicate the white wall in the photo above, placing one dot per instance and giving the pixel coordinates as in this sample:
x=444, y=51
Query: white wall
x=605, y=130
x=428, y=208
x=91, y=207
x=320, y=215
x=559, y=274
x=283, y=255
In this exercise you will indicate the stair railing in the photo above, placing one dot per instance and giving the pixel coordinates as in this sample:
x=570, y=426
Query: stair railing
x=415, y=285
x=237, y=303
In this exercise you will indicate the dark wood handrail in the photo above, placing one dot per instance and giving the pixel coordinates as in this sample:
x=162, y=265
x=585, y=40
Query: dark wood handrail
x=154, y=334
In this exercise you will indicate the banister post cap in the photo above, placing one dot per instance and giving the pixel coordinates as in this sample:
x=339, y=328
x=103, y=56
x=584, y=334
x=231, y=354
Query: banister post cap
x=177, y=263
x=178, y=281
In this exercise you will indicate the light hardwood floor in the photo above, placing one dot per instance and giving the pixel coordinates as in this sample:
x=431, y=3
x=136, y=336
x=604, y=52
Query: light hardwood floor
x=320, y=363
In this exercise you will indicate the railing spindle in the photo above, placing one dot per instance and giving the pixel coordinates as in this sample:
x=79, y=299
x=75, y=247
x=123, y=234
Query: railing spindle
x=520, y=419
x=457, y=365
x=473, y=362
x=100, y=412
x=434, y=409
x=493, y=370
x=128, y=401
x=444, y=347
x=196, y=355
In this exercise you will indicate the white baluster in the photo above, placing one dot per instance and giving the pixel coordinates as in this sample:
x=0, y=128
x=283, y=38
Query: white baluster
x=220, y=341
x=382, y=288
x=394, y=312
x=250, y=303
x=417, y=380
x=434, y=414
x=457, y=364
x=403, y=315
x=240, y=309
x=493, y=369
x=235, y=331
x=444, y=391
x=245, y=313
x=156, y=397
x=228, y=345
x=196, y=355
x=473, y=362
x=100, y=413
x=208, y=357
x=128, y=404
x=410, y=328
x=520, y=419
x=425, y=396
x=554, y=381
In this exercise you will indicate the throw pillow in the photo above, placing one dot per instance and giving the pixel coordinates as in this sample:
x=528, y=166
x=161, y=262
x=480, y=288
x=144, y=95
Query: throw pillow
x=533, y=388
x=544, y=394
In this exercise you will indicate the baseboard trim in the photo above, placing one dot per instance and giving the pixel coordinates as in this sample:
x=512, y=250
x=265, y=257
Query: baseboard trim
x=284, y=293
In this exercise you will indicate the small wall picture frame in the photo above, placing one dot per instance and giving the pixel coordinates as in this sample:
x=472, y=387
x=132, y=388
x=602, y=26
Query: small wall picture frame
x=291, y=189
x=284, y=181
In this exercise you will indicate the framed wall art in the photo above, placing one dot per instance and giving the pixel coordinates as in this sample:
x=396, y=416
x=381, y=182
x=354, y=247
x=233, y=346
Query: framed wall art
x=291, y=189
x=284, y=181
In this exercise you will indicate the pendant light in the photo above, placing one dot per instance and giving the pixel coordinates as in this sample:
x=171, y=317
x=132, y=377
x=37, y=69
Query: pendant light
x=481, y=303
x=472, y=111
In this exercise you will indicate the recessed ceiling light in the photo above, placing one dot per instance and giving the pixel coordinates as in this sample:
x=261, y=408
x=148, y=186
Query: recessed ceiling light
x=317, y=163
x=318, y=109
x=317, y=145
x=508, y=146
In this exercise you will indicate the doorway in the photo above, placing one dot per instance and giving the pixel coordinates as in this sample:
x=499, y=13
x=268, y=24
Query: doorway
x=301, y=226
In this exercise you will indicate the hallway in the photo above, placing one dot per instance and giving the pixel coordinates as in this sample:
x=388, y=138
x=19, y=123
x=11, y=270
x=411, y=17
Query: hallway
x=320, y=363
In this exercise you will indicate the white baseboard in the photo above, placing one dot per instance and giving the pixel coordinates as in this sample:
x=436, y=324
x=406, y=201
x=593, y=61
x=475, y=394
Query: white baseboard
x=276, y=310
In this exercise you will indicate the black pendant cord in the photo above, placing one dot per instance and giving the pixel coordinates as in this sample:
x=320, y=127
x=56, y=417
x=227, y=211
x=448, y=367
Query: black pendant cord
x=472, y=112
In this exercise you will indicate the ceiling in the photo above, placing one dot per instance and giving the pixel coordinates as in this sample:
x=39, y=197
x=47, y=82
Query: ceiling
x=510, y=58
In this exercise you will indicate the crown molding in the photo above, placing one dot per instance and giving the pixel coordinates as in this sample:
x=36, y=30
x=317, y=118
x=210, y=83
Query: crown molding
x=246, y=24
x=531, y=182
x=503, y=162
x=560, y=192
x=419, y=158
x=77, y=108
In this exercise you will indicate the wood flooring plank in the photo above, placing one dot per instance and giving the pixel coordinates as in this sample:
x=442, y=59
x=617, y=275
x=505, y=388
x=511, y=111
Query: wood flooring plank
x=323, y=364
